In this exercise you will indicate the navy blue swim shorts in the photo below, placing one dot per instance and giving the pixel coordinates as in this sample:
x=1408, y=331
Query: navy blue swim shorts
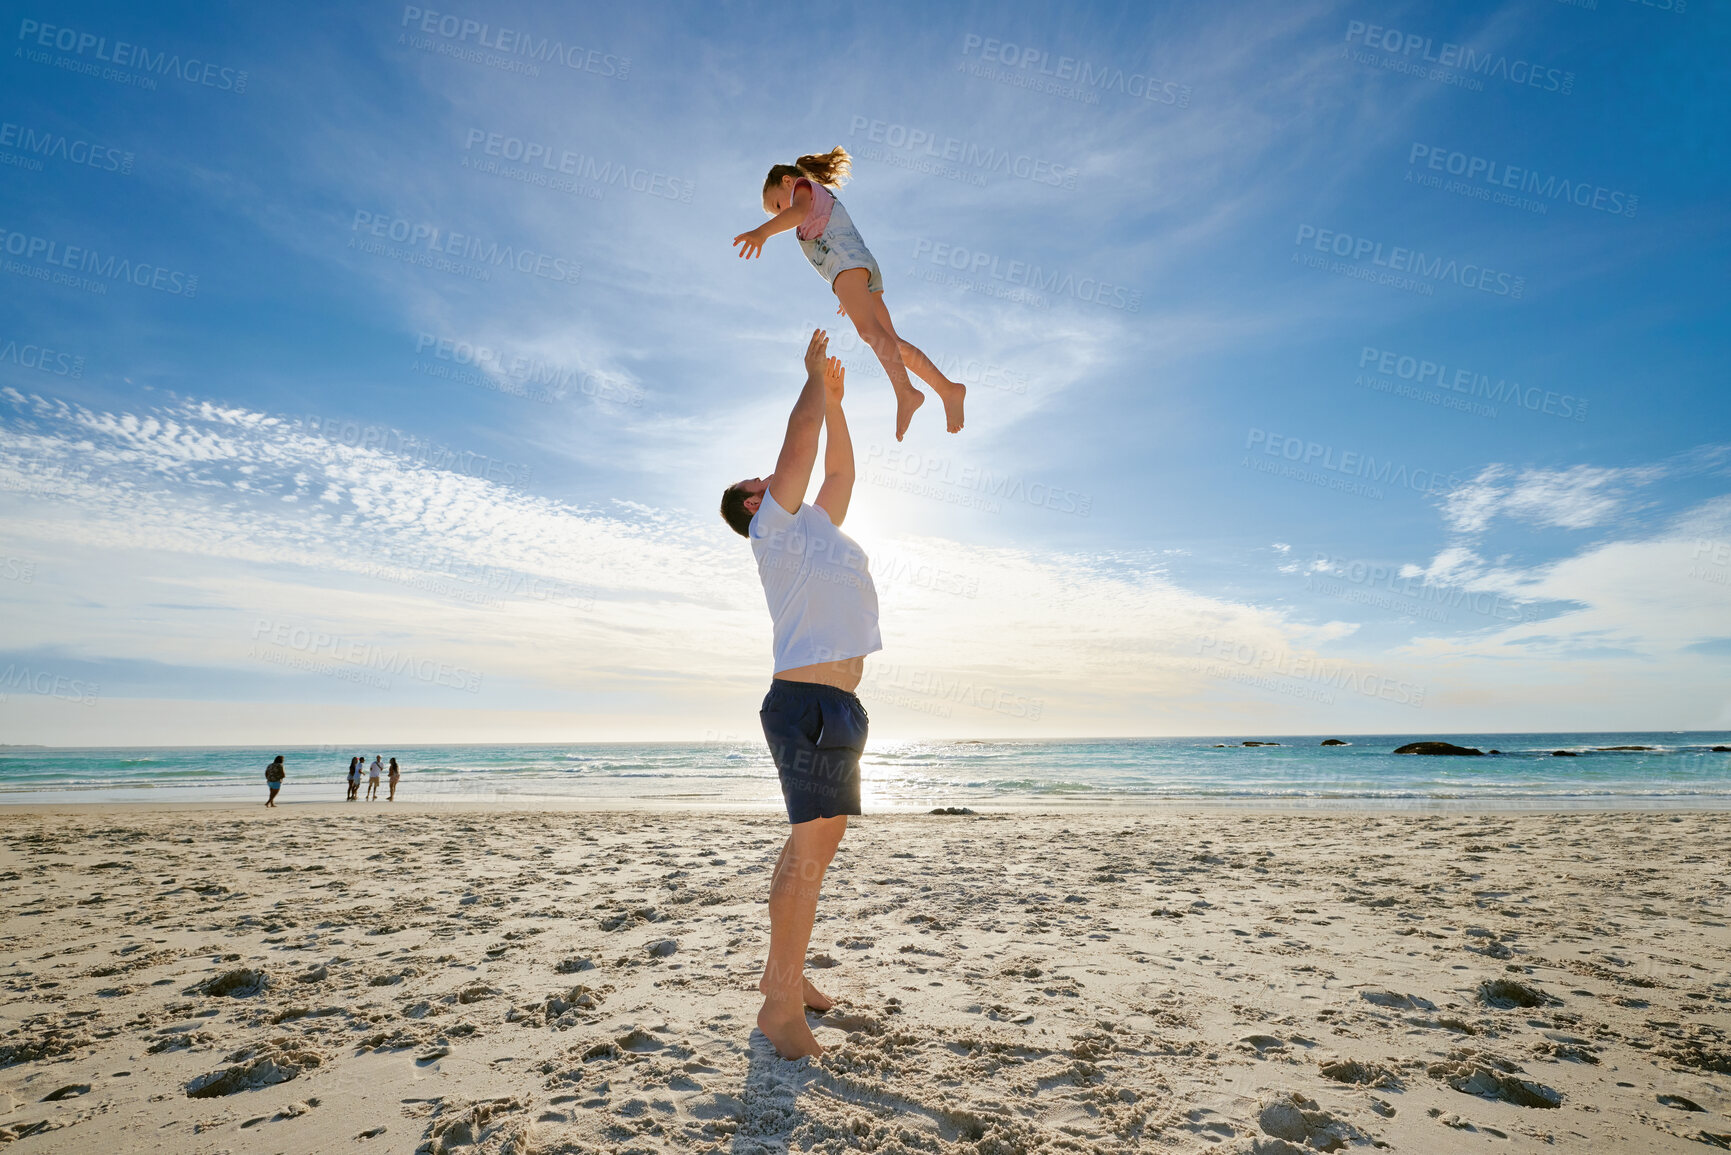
x=816, y=734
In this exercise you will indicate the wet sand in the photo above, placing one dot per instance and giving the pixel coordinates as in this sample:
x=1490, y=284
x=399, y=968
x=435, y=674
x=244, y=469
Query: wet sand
x=509, y=979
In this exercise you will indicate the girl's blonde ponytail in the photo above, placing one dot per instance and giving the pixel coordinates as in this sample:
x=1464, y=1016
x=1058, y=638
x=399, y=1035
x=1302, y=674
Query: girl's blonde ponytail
x=830, y=168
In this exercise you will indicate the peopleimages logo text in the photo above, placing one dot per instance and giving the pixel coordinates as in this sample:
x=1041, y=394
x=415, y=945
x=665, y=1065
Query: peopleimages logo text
x=1482, y=170
x=366, y=655
x=463, y=247
x=1003, y=162
x=1424, y=372
x=1464, y=57
x=88, y=261
x=927, y=472
x=552, y=158
x=125, y=55
x=1334, y=674
x=18, y=679
x=41, y=358
x=1414, y=586
x=1083, y=73
x=1091, y=290
x=1351, y=463
x=1468, y=275
x=512, y=42
x=58, y=146
x=539, y=378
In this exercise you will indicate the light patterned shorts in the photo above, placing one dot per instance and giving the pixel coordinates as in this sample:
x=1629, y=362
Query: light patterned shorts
x=839, y=249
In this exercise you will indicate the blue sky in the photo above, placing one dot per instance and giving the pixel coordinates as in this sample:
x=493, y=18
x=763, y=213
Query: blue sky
x=1332, y=366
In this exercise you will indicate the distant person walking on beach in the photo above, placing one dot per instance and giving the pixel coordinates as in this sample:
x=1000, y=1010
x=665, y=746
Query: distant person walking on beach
x=273, y=776
x=373, y=775
x=825, y=609
x=395, y=774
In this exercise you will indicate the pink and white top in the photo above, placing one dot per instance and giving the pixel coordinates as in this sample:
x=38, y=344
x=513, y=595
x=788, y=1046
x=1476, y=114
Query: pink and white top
x=822, y=202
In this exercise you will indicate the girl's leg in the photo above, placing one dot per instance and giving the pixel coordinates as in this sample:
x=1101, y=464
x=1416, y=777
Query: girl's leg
x=952, y=393
x=850, y=289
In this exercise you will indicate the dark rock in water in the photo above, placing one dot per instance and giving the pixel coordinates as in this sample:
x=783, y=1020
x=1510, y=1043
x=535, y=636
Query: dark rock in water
x=1722, y=749
x=1333, y=742
x=1493, y=751
x=1221, y=746
x=952, y=810
x=1564, y=754
x=1259, y=743
x=1437, y=748
x=1625, y=747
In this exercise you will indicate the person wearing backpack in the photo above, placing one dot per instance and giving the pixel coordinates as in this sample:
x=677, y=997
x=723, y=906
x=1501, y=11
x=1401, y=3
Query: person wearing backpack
x=273, y=776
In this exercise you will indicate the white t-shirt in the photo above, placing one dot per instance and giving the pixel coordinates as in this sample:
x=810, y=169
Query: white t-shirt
x=375, y=769
x=818, y=583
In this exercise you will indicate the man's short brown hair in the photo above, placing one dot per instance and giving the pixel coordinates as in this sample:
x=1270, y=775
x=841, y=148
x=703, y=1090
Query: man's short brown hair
x=733, y=510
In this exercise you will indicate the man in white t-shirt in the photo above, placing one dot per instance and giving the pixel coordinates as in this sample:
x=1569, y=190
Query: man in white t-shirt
x=818, y=584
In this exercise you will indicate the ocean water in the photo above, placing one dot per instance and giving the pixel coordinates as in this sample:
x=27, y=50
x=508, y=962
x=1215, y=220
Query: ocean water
x=1679, y=769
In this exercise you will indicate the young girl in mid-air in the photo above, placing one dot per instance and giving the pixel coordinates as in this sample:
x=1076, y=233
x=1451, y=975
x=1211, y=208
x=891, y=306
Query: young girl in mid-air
x=797, y=196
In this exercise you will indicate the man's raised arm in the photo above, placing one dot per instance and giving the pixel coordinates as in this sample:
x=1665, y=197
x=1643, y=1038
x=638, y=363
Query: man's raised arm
x=837, y=488
x=799, y=448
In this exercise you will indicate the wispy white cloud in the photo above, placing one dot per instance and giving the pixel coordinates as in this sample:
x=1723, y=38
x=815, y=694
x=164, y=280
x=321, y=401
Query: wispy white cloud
x=1579, y=497
x=237, y=517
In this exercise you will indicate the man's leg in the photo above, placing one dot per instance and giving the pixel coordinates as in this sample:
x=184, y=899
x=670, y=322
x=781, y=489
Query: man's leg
x=792, y=908
x=814, y=998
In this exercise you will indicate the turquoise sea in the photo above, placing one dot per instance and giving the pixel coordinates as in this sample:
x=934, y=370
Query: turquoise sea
x=1679, y=769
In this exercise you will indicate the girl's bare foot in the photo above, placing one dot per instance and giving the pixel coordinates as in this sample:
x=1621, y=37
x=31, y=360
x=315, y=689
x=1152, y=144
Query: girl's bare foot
x=906, y=402
x=952, y=394
x=783, y=1024
x=816, y=999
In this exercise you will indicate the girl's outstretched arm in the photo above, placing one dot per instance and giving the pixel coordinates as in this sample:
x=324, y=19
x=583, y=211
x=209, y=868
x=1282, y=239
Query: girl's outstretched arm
x=790, y=217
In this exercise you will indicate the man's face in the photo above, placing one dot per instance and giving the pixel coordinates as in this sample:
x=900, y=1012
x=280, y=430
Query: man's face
x=755, y=488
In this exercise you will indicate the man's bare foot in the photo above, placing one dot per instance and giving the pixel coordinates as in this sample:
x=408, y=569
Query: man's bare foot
x=783, y=1024
x=816, y=999
x=953, y=394
x=907, y=401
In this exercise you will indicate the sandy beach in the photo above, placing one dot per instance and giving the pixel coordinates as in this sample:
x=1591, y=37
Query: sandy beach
x=335, y=978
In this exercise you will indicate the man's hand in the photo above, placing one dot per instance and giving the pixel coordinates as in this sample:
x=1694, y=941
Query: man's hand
x=815, y=354
x=834, y=376
x=753, y=243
